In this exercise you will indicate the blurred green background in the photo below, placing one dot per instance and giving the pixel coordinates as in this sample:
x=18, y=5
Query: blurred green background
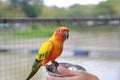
x=36, y=8
x=19, y=42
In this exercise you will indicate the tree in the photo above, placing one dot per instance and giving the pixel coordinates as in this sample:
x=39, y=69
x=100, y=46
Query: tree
x=74, y=11
x=10, y=11
x=108, y=8
x=115, y=6
x=31, y=8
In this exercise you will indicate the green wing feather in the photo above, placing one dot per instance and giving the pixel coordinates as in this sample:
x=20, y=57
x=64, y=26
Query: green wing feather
x=42, y=54
x=34, y=69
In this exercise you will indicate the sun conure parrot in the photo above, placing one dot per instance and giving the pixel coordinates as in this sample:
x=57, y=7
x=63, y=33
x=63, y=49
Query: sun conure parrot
x=50, y=50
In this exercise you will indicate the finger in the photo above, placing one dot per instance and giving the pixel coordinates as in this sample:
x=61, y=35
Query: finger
x=66, y=72
x=60, y=78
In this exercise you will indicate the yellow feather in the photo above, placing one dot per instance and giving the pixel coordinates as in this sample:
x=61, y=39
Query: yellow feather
x=44, y=50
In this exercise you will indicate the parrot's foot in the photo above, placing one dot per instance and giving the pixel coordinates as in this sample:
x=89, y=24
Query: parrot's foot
x=56, y=63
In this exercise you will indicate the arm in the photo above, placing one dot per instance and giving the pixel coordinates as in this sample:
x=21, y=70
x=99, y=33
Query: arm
x=73, y=75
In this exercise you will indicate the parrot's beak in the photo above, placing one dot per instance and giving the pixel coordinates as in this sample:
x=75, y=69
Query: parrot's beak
x=65, y=35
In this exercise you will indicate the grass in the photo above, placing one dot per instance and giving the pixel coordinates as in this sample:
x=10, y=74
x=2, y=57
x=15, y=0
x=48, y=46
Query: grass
x=41, y=32
x=99, y=29
x=35, y=32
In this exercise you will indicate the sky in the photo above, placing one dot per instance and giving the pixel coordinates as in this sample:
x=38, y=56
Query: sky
x=67, y=3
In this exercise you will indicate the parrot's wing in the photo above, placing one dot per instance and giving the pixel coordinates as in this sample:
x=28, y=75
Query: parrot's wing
x=42, y=54
x=44, y=50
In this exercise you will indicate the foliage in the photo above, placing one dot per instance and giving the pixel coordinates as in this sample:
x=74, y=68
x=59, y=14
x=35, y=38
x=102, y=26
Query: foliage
x=10, y=11
x=108, y=8
x=29, y=8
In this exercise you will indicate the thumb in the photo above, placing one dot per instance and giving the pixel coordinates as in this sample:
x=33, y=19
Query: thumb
x=66, y=72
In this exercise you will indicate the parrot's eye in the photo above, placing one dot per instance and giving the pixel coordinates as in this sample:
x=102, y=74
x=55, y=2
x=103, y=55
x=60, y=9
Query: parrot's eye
x=59, y=30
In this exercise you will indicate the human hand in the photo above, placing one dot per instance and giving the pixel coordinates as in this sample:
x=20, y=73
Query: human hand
x=72, y=75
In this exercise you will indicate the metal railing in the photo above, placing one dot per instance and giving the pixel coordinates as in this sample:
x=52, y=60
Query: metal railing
x=57, y=20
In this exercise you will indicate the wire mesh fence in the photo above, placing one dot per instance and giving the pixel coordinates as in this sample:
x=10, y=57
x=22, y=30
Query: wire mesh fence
x=19, y=42
x=94, y=43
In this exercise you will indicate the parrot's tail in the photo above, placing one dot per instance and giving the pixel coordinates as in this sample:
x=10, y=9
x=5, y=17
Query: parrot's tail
x=36, y=66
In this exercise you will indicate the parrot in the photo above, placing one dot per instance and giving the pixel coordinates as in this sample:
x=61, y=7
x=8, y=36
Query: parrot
x=50, y=50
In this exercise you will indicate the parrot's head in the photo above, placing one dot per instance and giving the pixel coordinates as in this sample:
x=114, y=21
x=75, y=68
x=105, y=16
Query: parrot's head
x=61, y=33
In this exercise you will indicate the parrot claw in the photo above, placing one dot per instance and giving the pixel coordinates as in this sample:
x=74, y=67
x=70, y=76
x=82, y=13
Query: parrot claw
x=56, y=63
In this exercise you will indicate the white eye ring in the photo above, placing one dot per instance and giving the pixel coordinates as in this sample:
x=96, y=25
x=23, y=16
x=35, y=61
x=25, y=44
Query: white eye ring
x=59, y=30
